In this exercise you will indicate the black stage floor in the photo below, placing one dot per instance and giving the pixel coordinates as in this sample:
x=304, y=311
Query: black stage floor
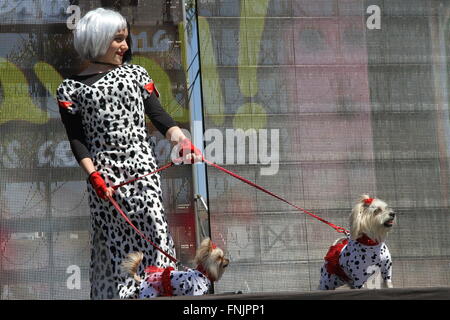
x=440, y=293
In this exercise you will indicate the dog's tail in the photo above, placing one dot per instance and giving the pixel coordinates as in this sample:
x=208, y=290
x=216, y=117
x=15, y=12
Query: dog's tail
x=131, y=264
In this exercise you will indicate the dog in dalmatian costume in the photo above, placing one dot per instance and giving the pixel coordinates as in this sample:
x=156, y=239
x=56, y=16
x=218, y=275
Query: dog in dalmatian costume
x=352, y=261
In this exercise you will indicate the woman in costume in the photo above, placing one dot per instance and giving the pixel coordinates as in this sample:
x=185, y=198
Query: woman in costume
x=103, y=110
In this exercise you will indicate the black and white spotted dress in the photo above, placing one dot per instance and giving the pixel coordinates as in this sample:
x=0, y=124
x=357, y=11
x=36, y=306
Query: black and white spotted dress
x=111, y=113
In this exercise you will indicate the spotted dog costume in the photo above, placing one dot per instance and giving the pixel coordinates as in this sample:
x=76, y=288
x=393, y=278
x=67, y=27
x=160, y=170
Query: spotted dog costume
x=168, y=282
x=104, y=116
x=352, y=262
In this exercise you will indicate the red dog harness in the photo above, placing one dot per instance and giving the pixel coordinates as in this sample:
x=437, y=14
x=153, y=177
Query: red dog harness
x=161, y=279
x=333, y=254
x=332, y=259
x=164, y=279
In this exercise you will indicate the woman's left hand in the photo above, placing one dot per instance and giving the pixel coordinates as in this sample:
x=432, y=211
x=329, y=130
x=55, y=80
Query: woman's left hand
x=189, y=152
x=193, y=158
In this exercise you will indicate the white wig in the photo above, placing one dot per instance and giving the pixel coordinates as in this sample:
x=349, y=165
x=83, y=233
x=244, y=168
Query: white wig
x=95, y=31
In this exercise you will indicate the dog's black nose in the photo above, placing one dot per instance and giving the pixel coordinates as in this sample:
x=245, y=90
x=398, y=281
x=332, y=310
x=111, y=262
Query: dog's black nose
x=392, y=214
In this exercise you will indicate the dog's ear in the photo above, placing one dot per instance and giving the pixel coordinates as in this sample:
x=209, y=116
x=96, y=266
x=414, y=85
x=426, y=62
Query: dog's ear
x=364, y=198
x=206, y=243
x=355, y=217
x=203, y=251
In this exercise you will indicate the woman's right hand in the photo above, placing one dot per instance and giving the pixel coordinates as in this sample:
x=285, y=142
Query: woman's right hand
x=99, y=185
x=109, y=191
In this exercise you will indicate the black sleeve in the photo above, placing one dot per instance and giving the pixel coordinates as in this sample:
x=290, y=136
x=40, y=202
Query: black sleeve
x=159, y=117
x=75, y=134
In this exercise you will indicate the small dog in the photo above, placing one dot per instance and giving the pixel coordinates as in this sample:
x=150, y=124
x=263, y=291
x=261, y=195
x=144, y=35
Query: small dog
x=352, y=261
x=210, y=262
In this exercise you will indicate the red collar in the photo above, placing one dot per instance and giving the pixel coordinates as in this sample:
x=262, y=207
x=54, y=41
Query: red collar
x=203, y=271
x=367, y=241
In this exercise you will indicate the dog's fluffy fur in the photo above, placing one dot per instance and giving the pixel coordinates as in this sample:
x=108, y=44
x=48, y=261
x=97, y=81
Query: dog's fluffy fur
x=359, y=258
x=210, y=262
x=211, y=259
x=374, y=220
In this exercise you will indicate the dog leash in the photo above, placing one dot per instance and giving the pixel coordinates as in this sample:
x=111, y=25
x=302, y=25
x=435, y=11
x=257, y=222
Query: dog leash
x=335, y=227
x=168, y=165
x=116, y=205
x=127, y=219
x=178, y=161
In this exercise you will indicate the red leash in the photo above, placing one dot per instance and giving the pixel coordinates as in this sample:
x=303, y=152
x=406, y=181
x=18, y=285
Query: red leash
x=179, y=160
x=116, y=205
x=335, y=227
x=158, y=170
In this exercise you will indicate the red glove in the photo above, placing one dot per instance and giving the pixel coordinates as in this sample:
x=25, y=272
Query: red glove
x=187, y=147
x=99, y=184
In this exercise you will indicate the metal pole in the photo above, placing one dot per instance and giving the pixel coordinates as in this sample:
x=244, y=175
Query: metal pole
x=193, y=74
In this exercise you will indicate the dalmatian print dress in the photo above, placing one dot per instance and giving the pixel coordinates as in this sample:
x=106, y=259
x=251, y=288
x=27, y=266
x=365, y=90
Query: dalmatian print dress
x=113, y=120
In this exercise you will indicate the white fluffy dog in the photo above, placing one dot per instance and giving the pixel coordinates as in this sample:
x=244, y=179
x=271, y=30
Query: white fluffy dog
x=352, y=261
x=211, y=265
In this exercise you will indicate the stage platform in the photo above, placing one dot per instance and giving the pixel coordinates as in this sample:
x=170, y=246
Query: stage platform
x=440, y=293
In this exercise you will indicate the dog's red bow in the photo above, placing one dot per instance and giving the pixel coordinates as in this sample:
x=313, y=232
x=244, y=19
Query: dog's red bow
x=368, y=201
